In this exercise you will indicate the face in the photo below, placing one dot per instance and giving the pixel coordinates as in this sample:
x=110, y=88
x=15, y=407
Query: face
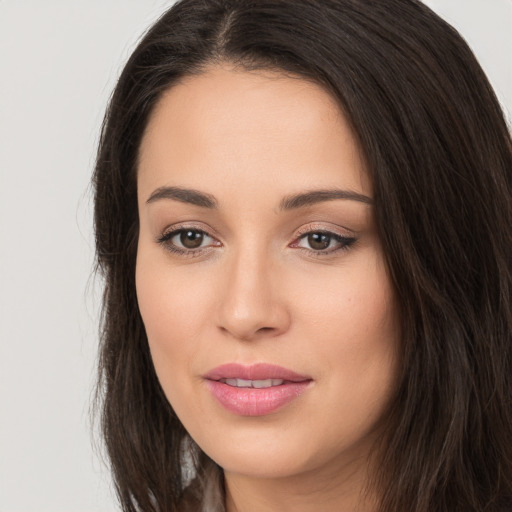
x=260, y=278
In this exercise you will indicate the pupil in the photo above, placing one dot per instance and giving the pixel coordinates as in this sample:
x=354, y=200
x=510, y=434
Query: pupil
x=319, y=241
x=191, y=239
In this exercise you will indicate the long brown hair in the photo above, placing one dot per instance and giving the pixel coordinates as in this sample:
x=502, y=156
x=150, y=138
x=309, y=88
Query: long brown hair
x=440, y=159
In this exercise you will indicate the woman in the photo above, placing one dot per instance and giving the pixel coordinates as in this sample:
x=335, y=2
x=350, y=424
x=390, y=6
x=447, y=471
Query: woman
x=303, y=219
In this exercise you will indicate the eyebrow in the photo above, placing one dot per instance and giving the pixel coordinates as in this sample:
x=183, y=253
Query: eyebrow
x=191, y=196
x=318, y=196
x=184, y=195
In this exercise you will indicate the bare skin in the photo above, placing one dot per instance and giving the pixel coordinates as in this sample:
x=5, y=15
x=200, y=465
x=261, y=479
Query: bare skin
x=258, y=245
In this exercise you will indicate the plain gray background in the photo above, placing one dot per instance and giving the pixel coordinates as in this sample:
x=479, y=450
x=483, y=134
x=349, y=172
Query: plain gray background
x=58, y=64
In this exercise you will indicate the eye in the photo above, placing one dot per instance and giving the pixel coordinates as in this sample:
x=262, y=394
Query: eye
x=187, y=240
x=323, y=242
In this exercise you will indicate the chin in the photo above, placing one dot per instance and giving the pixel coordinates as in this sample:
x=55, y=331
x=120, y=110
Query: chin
x=281, y=453
x=262, y=465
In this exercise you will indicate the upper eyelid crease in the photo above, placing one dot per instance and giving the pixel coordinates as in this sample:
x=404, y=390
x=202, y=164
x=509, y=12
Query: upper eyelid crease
x=313, y=227
x=321, y=227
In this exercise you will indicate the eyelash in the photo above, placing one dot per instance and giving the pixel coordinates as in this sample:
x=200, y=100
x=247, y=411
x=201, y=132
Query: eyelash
x=166, y=241
x=344, y=242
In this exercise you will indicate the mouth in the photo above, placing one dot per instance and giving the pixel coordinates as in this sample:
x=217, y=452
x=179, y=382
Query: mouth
x=256, y=384
x=255, y=390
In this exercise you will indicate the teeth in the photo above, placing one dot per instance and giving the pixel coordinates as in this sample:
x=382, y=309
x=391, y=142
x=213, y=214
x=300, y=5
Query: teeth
x=267, y=383
x=239, y=383
x=258, y=384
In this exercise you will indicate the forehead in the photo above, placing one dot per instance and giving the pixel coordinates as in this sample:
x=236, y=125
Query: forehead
x=237, y=125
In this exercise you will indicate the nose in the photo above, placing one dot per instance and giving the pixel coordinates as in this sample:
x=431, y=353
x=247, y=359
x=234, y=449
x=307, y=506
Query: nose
x=252, y=304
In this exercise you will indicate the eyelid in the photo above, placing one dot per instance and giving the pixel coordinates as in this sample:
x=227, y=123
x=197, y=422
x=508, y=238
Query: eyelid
x=171, y=231
x=345, y=237
x=346, y=240
x=324, y=228
x=192, y=225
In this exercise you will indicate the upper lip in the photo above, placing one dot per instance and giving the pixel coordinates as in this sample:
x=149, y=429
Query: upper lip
x=259, y=371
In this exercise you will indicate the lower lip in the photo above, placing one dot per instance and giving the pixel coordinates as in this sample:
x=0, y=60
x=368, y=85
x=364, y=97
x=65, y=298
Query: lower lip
x=256, y=402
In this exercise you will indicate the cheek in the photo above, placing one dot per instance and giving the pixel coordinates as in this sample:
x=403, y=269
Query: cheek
x=353, y=311
x=174, y=309
x=172, y=301
x=354, y=332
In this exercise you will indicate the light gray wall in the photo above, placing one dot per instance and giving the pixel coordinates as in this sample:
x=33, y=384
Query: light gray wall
x=58, y=63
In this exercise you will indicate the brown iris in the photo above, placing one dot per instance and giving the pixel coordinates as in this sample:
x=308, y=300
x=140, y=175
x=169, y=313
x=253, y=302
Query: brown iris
x=191, y=239
x=319, y=241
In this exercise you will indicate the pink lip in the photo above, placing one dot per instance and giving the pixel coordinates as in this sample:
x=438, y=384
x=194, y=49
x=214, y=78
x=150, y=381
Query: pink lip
x=252, y=401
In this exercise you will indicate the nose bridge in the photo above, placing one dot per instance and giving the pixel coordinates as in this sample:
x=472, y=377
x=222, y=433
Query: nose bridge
x=250, y=304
